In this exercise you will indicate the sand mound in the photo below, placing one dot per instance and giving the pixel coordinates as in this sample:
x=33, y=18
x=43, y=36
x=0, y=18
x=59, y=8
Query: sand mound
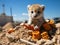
x=21, y=36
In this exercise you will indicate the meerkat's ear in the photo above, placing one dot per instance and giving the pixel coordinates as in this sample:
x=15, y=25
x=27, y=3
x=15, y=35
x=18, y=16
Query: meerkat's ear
x=28, y=6
x=43, y=7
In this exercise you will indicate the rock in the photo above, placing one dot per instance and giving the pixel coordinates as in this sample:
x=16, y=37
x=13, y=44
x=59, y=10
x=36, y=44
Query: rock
x=0, y=29
x=4, y=41
x=2, y=34
x=8, y=26
x=58, y=28
x=14, y=43
x=58, y=25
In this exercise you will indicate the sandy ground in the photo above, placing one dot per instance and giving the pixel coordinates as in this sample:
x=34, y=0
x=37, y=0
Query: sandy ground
x=21, y=36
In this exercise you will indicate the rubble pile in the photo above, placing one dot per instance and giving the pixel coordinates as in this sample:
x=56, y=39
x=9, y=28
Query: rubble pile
x=21, y=36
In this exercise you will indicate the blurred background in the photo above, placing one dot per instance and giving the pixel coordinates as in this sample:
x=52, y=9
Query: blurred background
x=16, y=10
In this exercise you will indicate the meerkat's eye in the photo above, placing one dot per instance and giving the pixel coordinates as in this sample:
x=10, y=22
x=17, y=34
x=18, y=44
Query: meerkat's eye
x=38, y=12
x=31, y=11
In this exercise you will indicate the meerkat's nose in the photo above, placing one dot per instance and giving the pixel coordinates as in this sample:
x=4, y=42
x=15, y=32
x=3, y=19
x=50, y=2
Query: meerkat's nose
x=36, y=15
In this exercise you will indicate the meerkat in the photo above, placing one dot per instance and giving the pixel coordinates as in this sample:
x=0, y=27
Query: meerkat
x=36, y=15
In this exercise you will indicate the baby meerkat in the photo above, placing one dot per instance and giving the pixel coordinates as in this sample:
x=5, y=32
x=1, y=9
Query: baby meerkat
x=35, y=13
x=36, y=17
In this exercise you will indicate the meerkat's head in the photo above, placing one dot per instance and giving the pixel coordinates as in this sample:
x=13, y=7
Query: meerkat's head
x=35, y=11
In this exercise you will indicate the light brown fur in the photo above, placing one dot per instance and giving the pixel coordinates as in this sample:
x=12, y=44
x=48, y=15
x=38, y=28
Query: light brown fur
x=37, y=10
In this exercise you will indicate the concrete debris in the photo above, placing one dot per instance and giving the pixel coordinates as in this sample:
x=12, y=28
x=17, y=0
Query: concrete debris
x=8, y=26
x=22, y=36
x=27, y=42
